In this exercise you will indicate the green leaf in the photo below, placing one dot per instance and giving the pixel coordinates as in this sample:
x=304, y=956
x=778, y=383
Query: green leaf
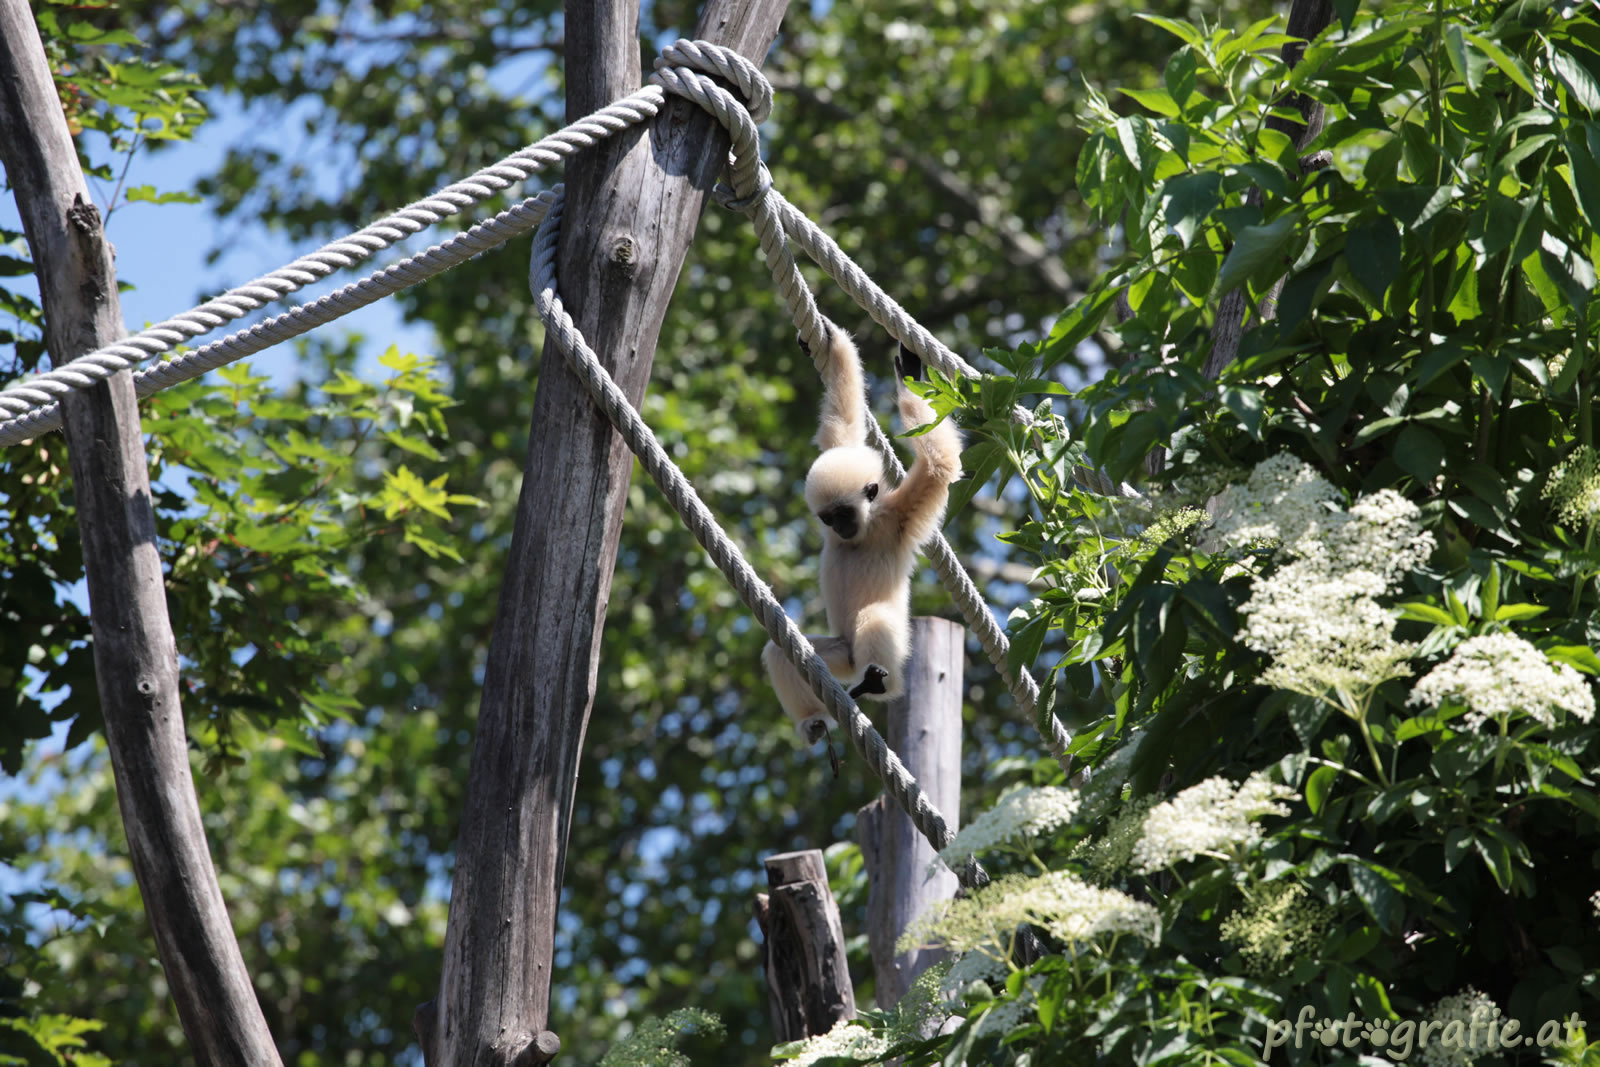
x=1187, y=199
x=1468, y=62
x=1179, y=76
x=1378, y=889
x=1419, y=452
x=1426, y=613
x=1581, y=86
x=1373, y=254
x=1157, y=100
x=1319, y=785
x=1515, y=612
x=1182, y=30
x=1245, y=403
x=1257, y=248
x=1510, y=66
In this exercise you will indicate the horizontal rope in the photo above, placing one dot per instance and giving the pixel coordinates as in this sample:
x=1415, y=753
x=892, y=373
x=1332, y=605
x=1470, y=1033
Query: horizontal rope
x=20, y=398
x=513, y=222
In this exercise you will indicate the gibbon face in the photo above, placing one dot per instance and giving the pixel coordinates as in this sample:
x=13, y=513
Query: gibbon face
x=841, y=488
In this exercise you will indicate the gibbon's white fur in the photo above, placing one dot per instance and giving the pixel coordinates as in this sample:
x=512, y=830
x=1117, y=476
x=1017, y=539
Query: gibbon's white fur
x=870, y=537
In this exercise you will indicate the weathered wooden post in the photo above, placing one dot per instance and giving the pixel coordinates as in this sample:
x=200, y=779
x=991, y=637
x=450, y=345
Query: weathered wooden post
x=808, y=982
x=924, y=727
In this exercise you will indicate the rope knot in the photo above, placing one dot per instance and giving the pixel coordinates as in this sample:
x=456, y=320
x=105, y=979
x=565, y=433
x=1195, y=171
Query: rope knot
x=695, y=70
x=720, y=62
x=726, y=196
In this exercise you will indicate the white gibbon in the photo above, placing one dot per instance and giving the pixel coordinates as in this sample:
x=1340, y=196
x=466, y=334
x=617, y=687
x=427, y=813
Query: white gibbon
x=870, y=537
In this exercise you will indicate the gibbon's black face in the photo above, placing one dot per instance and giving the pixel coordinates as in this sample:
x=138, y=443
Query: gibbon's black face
x=847, y=517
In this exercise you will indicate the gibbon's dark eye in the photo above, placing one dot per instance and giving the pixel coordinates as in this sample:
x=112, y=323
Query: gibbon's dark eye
x=871, y=491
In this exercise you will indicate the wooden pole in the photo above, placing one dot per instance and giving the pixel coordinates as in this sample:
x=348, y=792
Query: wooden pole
x=808, y=980
x=632, y=204
x=924, y=727
x=136, y=659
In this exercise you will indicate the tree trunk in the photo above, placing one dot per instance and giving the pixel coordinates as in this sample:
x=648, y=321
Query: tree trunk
x=808, y=980
x=925, y=729
x=631, y=210
x=136, y=659
x=1307, y=18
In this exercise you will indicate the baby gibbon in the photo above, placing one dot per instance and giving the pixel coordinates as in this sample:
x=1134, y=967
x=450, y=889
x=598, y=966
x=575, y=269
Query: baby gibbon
x=870, y=538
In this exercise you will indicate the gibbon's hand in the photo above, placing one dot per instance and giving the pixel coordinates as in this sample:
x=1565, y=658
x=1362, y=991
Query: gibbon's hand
x=871, y=682
x=800, y=340
x=907, y=365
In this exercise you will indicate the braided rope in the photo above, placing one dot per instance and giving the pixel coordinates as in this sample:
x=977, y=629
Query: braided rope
x=513, y=222
x=771, y=215
x=756, y=594
x=19, y=398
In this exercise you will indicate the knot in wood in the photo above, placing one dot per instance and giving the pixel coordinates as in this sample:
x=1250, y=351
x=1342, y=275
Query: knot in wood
x=624, y=251
x=540, y=1049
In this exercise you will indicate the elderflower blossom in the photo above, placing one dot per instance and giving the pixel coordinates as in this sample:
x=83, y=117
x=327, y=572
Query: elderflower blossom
x=1318, y=615
x=1574, y=487
x=1594, y=902
x=1207, y=819
x=1280, y=923
x=1071, y=909
x=1464, y=1018
x=1496, y=674
x=1023, y=812
x=1282, y=501
x=1107, y=855
x=845, y=1039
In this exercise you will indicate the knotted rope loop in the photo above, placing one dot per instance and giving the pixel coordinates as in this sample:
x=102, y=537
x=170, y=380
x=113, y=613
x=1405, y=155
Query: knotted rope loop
x=722, y=62
x=678, y=72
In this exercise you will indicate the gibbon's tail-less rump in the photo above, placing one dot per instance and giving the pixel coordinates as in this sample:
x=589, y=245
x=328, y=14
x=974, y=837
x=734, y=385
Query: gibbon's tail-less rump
x=871, y=535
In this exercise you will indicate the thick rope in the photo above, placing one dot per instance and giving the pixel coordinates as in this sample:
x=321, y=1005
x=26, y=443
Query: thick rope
x=21, y=397
x=609, y=397
x=513, y=222
x=766, y=209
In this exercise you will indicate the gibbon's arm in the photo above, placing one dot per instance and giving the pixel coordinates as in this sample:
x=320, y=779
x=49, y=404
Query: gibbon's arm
x=919, y=501
x=844, y=397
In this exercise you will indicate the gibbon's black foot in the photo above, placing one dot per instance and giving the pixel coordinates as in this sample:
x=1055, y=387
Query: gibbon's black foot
x=871, y=682
x=908, y=365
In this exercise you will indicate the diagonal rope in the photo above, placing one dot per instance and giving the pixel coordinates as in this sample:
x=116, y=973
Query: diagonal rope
x=757, y=595
x=765, y=208
x=513, y=222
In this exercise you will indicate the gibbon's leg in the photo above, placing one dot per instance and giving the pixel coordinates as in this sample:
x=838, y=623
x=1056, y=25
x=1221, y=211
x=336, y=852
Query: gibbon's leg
x=794, y=692
x=844, y=394
x=883, y=640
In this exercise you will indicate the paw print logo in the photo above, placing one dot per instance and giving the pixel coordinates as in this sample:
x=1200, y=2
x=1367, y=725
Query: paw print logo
x=1327, y=1032
x=1377, y=1034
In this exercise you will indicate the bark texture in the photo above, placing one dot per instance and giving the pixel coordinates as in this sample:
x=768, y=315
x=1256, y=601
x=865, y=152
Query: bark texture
x=632, y=206
x=136, y=659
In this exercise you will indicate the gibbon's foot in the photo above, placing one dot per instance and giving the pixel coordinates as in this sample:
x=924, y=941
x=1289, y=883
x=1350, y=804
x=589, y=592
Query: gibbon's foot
x=871, y=682
x=908, y=365
x=814, y=730
x=833, y=757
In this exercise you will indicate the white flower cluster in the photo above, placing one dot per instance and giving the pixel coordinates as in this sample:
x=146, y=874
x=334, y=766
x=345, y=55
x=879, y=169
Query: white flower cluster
x=1457, y=1013
x=1282, y=500
x=845, y=1039
x=1281, y=922
x=1574, y=487
x=1022, y=812
x=1496, y=674
x=1317, y=615
x=1594, y=902
x=1071, y=909
x=1207, y=819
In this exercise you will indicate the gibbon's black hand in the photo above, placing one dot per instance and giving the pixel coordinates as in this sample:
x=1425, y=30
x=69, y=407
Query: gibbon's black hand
x=801, y=341
x=907, y=365
x=871, y=682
